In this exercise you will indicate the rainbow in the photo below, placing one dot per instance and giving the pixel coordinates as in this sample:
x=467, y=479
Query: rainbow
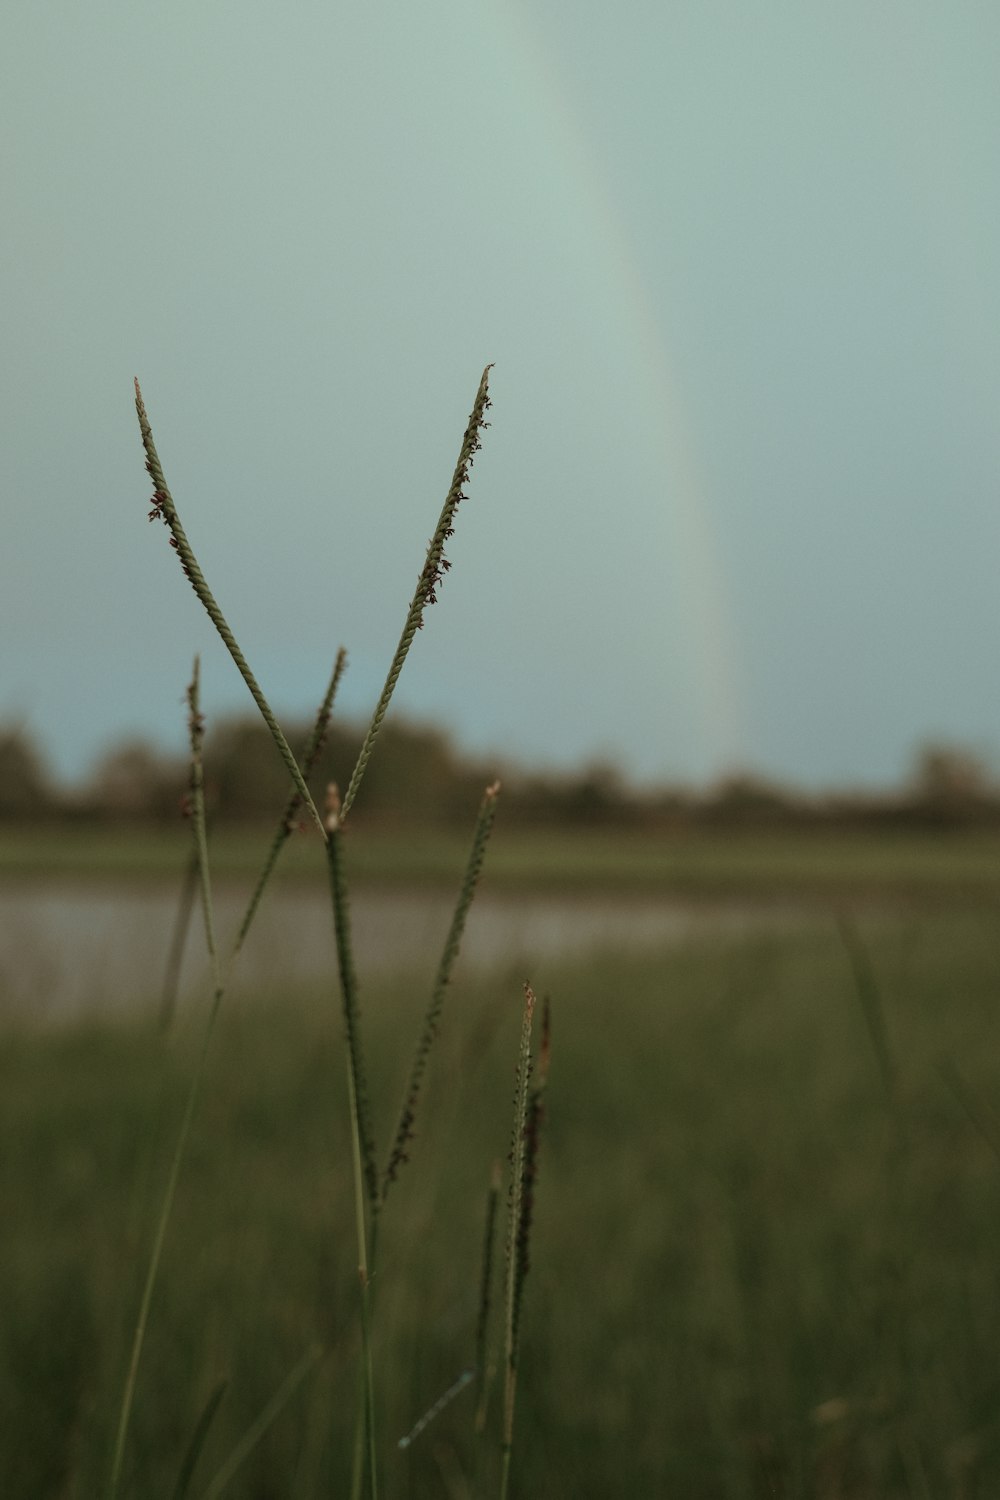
x=685, y=515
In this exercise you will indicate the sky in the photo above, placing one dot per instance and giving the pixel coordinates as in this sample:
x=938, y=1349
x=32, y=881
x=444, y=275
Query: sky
x=737, y=268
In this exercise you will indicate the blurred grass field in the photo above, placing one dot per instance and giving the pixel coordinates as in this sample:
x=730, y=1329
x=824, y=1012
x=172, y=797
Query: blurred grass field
x=756, y=1272
x=947, y=865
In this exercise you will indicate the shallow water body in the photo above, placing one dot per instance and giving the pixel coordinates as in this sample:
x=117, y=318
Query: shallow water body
x=70, y=949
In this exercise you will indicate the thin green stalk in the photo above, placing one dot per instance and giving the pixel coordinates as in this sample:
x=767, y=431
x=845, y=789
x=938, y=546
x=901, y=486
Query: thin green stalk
x=182, y=923
x=364, y=1287
x=164, y=508
x=157, y=1251
x=871, y=1002
x=483, y=1370
x=197, y=1442
x=973, y=1106
x=360, y=1112
x=513, y=1287
x=198, y=821
x=362, y=1140
x=432, y=1018
x=897, y=1338
x=196, y=728
x=287, y=824
x=435, y=566
x=271, y=1411
x=532, y=1139
x=283, y=833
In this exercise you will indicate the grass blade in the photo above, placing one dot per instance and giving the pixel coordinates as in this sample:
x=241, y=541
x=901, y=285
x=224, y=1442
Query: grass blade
x=518, y=1157
x=178, y=942
x=349, y=996
x=196, y=727
x=871, y=1001
x=285, y=828
x=432, y=1018
x=484, y=1371
x=196, y=731
x=164, y=509
x=197, y=1442
x=973, y=1106
x=254, y=1433
x=532, y=1138
x=362, y=1140
x=435, y=566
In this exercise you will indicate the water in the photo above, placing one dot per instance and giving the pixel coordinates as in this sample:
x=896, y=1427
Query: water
x=69, y=949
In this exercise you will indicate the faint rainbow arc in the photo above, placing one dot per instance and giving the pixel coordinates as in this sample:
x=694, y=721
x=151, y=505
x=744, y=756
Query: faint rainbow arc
x=716, y=681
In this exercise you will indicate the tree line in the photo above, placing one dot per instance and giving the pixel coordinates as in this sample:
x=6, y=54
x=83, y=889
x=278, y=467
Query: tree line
x=420, y=777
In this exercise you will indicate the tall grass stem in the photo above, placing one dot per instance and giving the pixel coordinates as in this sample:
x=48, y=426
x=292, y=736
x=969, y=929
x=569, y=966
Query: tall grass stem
x=432, y=1018
x=271, y=1411
x=364, y=1288
x=180, y=1148
x=435, y=565
x=164, y=507
x=483, y=1368
x=366, y=1199
x=286, y=825
x=870, y=997
x=178, y=942
x=360, y=1112
x=517, y=1174
x=197, y=1442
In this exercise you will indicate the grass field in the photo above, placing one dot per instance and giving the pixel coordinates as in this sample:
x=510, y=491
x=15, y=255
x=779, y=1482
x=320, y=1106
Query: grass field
x=765, y=1255
x=945, y=866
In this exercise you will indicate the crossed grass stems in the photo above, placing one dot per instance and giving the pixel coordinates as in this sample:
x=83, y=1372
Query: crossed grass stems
x=371, y=1184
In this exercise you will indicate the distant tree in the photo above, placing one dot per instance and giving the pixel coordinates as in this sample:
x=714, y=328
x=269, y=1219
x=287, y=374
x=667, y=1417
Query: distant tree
x=414, y=775
x=597, y=795
x=134, y=781
x=952, y=784
x=25, y=788
x=745, y=798
x=243, y=774
x=951, y=771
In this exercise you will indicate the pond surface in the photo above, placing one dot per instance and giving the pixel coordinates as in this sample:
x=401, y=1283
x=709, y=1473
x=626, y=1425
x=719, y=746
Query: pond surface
x=68, y=949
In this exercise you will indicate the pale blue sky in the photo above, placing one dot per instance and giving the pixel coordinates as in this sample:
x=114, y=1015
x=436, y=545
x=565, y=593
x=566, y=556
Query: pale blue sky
x=736, y=264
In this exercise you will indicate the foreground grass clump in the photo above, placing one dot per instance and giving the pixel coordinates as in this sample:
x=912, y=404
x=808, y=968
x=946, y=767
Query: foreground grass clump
x=757, y=1270
x=371, y=1184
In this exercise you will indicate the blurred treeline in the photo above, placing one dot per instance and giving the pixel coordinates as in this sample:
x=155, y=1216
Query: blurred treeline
x=419, y=777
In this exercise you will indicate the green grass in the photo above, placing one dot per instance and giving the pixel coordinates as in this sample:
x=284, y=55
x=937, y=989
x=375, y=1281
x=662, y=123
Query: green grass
x=938, y=867
x=752, y=1274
